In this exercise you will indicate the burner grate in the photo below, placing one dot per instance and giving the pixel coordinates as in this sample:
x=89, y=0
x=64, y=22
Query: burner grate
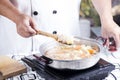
x=97, y=72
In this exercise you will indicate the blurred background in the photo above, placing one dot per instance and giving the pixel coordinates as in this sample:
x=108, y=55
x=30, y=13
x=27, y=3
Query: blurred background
x=88, y=12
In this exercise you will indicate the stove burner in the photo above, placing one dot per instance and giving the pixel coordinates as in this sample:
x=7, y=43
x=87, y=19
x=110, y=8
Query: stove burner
x=97, y=72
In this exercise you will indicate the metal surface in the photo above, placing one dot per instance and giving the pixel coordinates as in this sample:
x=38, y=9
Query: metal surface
x=75, y=64
x=81, y=63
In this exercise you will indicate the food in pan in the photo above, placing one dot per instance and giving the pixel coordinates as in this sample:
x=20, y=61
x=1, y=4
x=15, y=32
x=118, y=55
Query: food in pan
x=71, y=52
x=66, y=39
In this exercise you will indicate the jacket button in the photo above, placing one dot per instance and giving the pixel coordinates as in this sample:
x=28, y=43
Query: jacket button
x=35, y=13
x=54, y=32
x=54, y=12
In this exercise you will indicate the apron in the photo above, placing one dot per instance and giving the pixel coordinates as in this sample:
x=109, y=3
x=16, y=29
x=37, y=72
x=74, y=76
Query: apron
x=61, y=16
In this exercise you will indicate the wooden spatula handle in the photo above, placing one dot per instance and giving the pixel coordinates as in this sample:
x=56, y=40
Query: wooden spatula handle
x=48, y=34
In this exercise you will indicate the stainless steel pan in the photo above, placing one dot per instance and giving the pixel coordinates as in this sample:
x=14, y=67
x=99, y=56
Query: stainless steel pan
x=75, y=64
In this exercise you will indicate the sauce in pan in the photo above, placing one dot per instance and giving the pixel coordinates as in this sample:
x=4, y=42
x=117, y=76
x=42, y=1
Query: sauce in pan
x=71, y=52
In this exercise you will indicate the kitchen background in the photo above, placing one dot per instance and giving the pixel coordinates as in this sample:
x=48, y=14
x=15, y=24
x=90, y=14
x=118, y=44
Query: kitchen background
x=88, y=11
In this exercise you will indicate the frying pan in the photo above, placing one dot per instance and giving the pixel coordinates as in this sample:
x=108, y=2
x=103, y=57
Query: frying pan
x=78, y=64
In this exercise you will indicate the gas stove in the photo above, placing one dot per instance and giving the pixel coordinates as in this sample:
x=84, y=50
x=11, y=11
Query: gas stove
x=97, y=72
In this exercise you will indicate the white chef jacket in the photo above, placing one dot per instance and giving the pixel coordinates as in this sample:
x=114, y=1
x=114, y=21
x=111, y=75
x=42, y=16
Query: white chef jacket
x=61, y=16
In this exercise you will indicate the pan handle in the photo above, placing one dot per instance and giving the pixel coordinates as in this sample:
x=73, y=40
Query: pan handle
x=104, y=40
x=112, y=44
x=43, y=59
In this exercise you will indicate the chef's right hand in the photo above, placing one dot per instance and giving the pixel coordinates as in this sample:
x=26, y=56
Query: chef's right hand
x=26, y=26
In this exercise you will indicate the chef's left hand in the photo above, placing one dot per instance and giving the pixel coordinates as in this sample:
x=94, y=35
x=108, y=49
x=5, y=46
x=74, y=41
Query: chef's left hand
x=111, y=29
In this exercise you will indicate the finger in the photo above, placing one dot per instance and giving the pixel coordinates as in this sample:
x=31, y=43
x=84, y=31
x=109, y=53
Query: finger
x=105, y=36
x=31, y=31
x=107, y=42
x=24, y=34
x=33, y=25
x=27, y=32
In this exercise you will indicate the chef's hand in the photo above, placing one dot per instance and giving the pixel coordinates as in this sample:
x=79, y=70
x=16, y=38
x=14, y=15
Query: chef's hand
x=26, y=26
x=111, y=29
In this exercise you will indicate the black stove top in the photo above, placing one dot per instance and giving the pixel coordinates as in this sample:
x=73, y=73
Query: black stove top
x=97, y=72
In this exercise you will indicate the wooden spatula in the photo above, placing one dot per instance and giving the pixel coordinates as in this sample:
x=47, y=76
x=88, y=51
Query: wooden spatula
x=59, y=38
x=48, y=34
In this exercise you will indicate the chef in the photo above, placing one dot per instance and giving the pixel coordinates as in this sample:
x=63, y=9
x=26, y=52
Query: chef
x=23, y=18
